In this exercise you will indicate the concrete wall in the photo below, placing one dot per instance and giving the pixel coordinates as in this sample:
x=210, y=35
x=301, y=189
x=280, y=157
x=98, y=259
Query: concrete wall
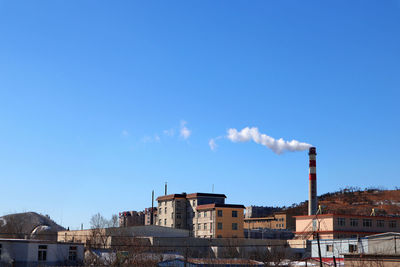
x=25, y=253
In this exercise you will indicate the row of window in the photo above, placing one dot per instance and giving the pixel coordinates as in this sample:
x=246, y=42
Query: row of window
x=352, y=248
x=366, y=223
x=204, y=226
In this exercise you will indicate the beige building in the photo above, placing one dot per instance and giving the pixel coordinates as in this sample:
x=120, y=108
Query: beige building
x=334, y=226
x=279, y=220
x=219, y=221
x=179, y=210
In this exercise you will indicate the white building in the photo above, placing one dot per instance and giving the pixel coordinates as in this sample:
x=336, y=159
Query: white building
x=29, y=252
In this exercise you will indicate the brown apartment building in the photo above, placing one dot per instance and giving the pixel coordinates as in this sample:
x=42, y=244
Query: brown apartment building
x=335, y=226
x=219, y=221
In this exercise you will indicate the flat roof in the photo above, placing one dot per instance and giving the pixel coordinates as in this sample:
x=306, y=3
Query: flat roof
x=217, y=205
x=345, y=215
x=37, y=241
x=195, y=195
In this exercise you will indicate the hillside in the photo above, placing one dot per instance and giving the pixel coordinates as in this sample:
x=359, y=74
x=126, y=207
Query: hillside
x=355, y=201
x=28, y=225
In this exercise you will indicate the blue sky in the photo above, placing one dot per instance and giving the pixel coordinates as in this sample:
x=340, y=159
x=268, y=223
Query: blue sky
x=94, y=95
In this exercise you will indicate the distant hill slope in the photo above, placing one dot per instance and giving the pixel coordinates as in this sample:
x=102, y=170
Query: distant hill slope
x=355, y=201
x=29, y=225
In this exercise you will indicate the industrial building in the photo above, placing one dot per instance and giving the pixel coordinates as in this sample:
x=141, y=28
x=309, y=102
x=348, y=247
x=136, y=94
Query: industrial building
x=279, y=220
x=30, y=252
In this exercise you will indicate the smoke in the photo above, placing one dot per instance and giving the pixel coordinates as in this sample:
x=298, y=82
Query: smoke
x=278, y=146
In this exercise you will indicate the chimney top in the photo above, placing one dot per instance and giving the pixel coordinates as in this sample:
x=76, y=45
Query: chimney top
x=312, y=151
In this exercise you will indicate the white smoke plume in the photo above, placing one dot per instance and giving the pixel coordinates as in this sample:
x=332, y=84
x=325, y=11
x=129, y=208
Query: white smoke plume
x=278, y=146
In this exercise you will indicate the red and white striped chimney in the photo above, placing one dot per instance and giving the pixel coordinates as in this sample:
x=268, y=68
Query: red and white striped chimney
x=312, y=190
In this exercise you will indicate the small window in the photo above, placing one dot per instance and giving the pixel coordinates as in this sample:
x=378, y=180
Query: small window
x=234, y=213
x=198, y=226
x=380, y=223
x=199, y=214
x=159, y=222
x=205, y=214
x=219, y=213
x=392, y=224
x=165, y=221
x=165, y=210
x=354, y=222
x=42, y=253
x=210, y=227
x=234, y=226
x=205, y=226
x=341, y=221
x=73, y=253
x=219, y=226
x=352, y=248
x=367, y=222
x=329, y=248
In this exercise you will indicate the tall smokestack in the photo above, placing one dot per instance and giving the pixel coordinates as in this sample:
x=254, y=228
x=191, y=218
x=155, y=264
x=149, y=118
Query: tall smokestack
x=312, y=190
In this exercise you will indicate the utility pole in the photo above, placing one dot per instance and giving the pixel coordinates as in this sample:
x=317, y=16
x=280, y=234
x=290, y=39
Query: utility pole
x=319, y=251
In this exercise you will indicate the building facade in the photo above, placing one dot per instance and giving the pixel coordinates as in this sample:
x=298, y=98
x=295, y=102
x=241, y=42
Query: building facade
x=29, y=252
x=219, y=221
x=336, y=226
x=131, y=218
x=178, y=210
x=148, y=212
x=203, y=214
x=279, y=220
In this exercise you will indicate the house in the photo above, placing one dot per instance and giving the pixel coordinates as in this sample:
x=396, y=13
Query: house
x=29, y=252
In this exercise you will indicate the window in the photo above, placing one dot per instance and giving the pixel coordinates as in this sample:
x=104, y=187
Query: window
x=165, y=210
x=172, y=215
x=159, y=222
x=42, y=253
x=73, y=253
x=198, y=226
x=219, y=213
x=234, y=226
x=352, y=248
x=234, y=213
x=354, y=222
x=199, y=214
x=380, y=223
x=210, y=227
x=392, y=224
x=219, y=226
x=205, y=226
x=367, y=222
x=341, y=221
x=165, y=221
x=329, y=248
x=194, y=202
x=178, y=216
x=205, y=214
x=160, y=211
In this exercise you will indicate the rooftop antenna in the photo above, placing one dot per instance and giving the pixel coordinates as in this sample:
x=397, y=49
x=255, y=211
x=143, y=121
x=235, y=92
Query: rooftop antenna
x=165, y=193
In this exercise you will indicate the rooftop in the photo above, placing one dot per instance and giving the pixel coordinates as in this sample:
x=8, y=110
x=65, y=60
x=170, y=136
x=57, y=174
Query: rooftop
x=216, y=205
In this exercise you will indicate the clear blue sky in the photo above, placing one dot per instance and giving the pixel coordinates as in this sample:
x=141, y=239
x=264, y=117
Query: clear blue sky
x=93, y=95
